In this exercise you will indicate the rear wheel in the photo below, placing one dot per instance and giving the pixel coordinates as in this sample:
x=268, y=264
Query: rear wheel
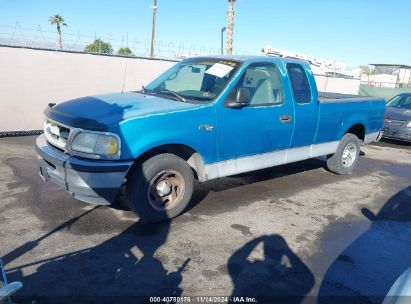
x=345, y=159
x=160, y=188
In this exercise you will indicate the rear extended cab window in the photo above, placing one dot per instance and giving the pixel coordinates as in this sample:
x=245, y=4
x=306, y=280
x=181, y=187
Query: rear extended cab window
x=299, y=83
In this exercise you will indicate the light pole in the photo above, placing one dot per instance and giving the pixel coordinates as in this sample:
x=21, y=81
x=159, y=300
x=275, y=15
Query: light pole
x=153, y=32
x=222, y=40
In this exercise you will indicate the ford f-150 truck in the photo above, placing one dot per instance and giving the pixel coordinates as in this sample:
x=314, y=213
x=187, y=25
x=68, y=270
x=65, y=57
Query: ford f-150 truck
x=205, y=118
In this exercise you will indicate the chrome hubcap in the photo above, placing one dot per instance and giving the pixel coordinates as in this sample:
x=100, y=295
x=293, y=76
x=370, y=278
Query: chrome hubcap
x=163, y=188
x=166, y=190
x=349, y=155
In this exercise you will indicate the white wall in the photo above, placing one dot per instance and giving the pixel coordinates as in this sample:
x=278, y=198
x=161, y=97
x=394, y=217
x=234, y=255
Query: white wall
x=338, y=85
x=30, y=79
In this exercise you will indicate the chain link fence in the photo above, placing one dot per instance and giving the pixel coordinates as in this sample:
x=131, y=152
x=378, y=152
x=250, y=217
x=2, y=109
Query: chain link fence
x=39, y=38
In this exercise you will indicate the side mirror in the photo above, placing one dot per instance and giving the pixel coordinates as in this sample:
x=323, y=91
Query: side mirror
x=369, y=214
x=242, y=99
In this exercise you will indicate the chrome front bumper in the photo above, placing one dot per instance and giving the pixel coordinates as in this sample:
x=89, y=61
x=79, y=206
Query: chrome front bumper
x=92, y=181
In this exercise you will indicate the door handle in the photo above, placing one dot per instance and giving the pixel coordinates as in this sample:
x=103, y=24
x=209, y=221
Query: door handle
x=286, y=118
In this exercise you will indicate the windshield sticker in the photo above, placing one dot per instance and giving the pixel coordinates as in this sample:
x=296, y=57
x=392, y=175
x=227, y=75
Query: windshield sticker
x=219, y=70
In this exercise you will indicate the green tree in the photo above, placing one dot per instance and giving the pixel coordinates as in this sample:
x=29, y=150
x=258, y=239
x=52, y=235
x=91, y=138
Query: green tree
x=365, y=70
x=58, y=21
x=125, y=51
x=99, y=46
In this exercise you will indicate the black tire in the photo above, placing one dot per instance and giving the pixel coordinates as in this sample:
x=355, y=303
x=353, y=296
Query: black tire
x=144, y=200
x=343, y=166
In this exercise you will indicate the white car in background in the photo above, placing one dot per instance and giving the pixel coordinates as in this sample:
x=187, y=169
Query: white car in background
x=400, y=292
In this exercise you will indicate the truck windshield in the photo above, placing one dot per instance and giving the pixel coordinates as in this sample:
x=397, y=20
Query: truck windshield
x=197, y=79
x=400, y=101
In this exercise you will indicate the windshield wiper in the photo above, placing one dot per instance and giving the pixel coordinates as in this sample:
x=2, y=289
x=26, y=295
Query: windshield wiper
x=181, y=98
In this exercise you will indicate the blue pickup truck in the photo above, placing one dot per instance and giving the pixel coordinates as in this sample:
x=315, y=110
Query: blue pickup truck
x=205, y=118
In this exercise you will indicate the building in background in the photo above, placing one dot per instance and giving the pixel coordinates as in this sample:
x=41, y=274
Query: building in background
x=319, y=66
x=331, y=76
x=388, y=76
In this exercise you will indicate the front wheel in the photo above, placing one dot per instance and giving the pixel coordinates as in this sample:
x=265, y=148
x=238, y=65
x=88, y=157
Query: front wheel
x=160, y=188
x=345, y=159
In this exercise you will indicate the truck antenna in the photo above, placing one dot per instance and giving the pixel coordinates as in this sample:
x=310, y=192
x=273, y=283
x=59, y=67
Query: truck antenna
x=124, y=77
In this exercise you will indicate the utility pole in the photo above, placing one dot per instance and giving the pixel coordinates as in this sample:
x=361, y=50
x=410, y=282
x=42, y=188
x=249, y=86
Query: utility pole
x=230, y=27
x=222, y=40
x=153, y=28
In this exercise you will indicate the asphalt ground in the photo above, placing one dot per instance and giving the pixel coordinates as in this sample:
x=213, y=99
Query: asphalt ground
x=295, y=230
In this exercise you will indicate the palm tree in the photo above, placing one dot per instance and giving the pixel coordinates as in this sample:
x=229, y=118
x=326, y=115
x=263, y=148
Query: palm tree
x=230, y=27
x=58, y=21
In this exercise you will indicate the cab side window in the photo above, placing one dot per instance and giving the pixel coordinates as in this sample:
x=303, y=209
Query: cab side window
x=263, y=80
x=299, y=82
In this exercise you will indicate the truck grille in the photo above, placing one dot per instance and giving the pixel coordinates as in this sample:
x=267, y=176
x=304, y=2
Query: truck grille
x=395, y=122
x=56, y=134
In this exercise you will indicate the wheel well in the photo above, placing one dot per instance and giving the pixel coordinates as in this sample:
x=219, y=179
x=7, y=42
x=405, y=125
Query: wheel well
x=358, y=130
x=191, y=156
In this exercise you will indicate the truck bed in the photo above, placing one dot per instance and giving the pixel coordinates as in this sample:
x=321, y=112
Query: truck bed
x=338, y=112
x=324, y=97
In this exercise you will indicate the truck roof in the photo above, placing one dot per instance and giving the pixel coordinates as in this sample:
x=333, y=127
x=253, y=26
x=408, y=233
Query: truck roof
x=255, y=58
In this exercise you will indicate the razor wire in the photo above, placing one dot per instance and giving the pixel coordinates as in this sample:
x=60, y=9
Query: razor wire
x=75, y=41
x=20, y=133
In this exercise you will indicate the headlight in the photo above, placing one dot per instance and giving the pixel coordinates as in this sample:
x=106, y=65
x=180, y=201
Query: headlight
x=96, y=145
x=409, y=125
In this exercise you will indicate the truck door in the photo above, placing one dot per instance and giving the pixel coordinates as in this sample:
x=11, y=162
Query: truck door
x=306, y=112
x=262, y=127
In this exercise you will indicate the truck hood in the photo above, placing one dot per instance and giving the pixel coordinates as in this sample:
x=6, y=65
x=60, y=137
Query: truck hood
x=103, y=111
x=398, y=113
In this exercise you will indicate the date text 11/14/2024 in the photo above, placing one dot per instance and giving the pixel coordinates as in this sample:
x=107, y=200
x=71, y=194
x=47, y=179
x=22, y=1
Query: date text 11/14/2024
x=204, y=299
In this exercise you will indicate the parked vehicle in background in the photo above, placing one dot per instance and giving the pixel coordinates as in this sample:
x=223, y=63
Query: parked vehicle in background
x=398, y=118
x=205, y=118
x=400, y=292
x=7, y=289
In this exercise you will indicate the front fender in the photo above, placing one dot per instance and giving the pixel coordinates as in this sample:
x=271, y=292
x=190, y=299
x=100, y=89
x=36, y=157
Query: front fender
x=183, y=128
